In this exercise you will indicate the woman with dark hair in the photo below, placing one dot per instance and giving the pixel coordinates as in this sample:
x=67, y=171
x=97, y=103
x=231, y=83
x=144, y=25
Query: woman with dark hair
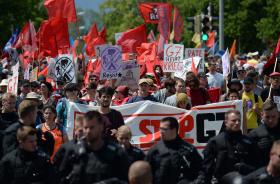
x=198, y=95
x=58, y=132
x=46, y=91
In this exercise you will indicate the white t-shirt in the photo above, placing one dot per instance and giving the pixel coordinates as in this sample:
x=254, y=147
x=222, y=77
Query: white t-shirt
x=215, y=80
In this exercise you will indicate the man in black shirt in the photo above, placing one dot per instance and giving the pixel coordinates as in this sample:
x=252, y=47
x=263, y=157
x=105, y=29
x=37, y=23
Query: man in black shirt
x=113, y=118
x=275, y=89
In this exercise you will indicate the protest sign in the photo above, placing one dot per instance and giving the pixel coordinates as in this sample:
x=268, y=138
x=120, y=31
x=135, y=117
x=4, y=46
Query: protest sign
x=173, y=56
x=197, y=126
x=187, y=66
x=34, y=75
x=190, y=52
x=26, y=74
x=13, y=80
x=111, y=62
x=130, y=74
x=63, y=66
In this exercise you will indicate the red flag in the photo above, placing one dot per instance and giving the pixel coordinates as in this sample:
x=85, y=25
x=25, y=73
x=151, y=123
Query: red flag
x=132, y=38
x=27, y=38
x=102, y=33
x=272, y=58
x=151, y=37
x=211, y=39
x=164, y=13
x=61, y=8
x=90, y=50
x=161, y=42
x=149, y=12
x=233, y=50
x=178, y=25
x=194, y=69
x=93, y=33
x=53, y=37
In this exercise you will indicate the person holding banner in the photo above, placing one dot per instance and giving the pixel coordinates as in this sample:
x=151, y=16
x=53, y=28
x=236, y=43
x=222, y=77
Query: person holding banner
x=168, y=90
x=172, y=159
x=230, y=151
x=275, y=89
x=180, y=88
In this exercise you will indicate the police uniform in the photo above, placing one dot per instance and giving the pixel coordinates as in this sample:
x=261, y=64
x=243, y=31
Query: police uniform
x=10, y=139
x=260, y=176
x=90, y=166
x=229, y=152
x=22, y=167
x=264, y=137
x=173, y=161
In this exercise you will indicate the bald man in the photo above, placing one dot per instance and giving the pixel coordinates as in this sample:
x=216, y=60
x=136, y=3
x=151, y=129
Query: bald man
x=140, y=173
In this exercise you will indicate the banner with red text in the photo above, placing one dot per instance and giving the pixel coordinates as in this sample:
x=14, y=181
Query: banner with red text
x=197, y=126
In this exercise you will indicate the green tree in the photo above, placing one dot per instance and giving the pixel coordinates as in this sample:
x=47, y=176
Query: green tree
x=14, y=14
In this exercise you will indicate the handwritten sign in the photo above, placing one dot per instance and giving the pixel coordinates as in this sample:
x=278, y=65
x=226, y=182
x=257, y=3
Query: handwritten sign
x=173, y=56
x=111, y=62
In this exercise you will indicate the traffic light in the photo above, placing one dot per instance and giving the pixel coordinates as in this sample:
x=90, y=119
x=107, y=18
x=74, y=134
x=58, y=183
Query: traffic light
x=205, y=28
x=195, y=25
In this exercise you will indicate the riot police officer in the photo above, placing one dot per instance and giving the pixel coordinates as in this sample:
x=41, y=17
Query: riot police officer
x=268, y=131
x=269, y=174
x=94, y=158
x=172, y=159
x=25, y=164
x=229, y=151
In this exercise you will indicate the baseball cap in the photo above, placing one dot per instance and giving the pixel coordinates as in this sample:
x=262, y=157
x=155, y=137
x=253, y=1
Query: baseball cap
x=144, y=80
x=33, y=95
x=248, y=80
x=4, y=82
x=122, y=89
x=274, y=74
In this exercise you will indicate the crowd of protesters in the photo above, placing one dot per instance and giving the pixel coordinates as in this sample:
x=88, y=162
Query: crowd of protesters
x=35, y=147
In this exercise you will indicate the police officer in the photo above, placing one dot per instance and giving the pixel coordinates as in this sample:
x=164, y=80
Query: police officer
x=27, y=113
x=269, y=174
x=268, y=131
x=229, y=151
x=25, y=164
x=172, y=159
x=96, y=159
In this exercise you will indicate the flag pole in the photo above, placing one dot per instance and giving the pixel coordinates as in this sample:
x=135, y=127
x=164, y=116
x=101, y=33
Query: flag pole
x=274, y=69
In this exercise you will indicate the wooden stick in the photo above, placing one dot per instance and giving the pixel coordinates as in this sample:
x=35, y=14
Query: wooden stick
x=275, y=65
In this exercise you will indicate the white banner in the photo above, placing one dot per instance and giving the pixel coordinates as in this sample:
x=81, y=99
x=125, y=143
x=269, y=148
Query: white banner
x=197, y=126
x=13, y=80
x=63, y=66
x=173, y=56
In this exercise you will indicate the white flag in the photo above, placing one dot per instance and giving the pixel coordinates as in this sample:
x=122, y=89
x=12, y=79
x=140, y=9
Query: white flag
x=226, y=63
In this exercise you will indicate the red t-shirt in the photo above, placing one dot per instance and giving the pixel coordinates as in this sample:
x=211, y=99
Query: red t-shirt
x=198, y=96
x=120, y=102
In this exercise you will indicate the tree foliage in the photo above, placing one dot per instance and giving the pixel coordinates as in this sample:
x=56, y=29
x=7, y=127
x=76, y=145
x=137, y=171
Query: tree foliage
x=14, y=14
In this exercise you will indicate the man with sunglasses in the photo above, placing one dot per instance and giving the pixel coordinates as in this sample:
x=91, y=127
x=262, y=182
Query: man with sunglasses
x=274, y=79
x=172, y=159
x=241, y=74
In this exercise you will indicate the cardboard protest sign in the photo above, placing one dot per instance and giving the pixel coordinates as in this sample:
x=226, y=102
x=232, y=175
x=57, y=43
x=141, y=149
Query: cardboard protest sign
x=13, y=80
x=130, y=74
x=63, y=66
x=111, y=62
x=34, y=75
x=187, y=64
x=173, y=56
x=190, y=52
x=196, y=126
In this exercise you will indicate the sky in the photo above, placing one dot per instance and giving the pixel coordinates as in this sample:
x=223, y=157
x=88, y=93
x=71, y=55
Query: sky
x=89, y=4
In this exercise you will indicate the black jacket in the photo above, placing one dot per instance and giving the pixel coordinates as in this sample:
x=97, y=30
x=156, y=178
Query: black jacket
x=21, y=167
x=173, y=161
x=228, y=152
x=10, y=139
x=264, y=137
x=87, y=166
x=260, y=176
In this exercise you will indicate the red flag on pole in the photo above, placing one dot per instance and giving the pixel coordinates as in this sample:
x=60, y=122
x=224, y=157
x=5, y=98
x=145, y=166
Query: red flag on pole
x=149, y=12
x=272, y=58
x=233, y=49
x=93, y=33
x=132, y=38
x=211, y=39
x=164, y=12
x=194, y=69
x=53, y=36
x=102, y=33
x=178, y=25
x=61, y=8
